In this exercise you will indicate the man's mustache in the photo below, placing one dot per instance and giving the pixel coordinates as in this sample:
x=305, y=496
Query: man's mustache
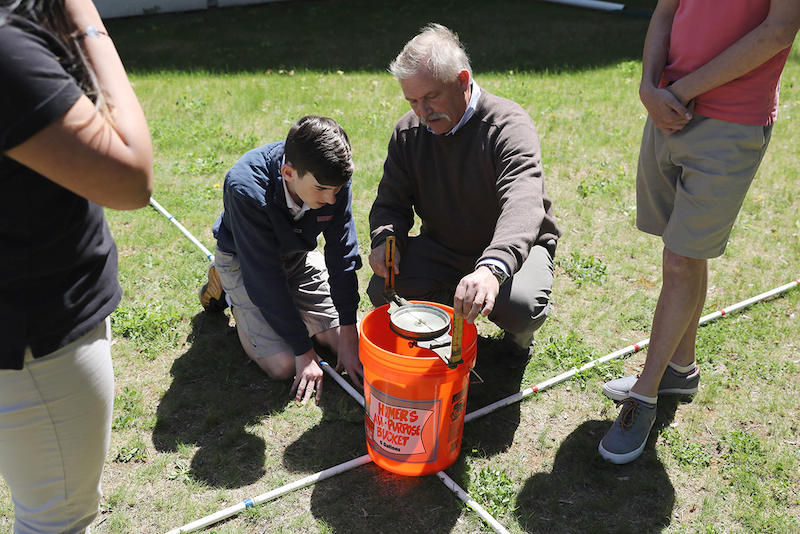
x=433, y=117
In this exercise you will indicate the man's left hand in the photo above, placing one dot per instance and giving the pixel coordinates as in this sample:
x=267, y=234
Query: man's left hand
x=476, y=294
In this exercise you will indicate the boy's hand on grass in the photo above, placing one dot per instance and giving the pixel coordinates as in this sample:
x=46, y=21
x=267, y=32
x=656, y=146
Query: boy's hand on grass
x=307, y=378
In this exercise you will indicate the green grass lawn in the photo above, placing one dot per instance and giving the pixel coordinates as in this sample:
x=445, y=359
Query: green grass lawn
x=198, y=428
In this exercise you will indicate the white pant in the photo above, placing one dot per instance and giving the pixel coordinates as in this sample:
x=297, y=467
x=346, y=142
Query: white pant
x=55, y=427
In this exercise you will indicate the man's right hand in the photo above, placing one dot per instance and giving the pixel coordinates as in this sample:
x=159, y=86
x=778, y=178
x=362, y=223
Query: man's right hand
x=377, y=260
x=476, y=294
x=665, y=110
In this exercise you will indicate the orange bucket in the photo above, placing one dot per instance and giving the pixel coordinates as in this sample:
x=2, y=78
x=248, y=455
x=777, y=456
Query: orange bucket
x=415, y=404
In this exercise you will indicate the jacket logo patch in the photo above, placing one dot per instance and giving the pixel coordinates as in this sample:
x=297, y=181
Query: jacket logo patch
x=324, y=218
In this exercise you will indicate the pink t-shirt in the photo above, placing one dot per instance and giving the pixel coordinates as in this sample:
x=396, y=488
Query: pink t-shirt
x=701, y=30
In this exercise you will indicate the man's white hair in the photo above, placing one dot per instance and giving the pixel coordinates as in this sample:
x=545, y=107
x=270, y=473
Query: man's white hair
x=437, y=50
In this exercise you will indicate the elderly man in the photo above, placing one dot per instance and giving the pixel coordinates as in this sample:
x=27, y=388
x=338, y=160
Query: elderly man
x=469, y=164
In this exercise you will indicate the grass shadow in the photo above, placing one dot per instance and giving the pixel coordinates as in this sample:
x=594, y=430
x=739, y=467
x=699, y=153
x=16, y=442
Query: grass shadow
x=215, y=395
x=343, y=417
x=371, y=499
x=584, y=493
x=492, y=434
x=360, y=35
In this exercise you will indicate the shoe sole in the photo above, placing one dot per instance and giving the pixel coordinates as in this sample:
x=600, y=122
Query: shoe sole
x=617, y=395
x=628, y=457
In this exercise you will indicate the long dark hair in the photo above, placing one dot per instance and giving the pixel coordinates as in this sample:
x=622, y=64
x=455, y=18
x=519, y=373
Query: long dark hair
x=52, y=16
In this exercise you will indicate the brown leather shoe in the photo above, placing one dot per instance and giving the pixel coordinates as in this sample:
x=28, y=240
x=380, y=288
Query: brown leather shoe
x=212, y=296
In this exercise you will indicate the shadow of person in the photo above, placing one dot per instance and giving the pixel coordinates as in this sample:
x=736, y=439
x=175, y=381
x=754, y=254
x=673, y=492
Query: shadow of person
x=494, y=434
x=366, y=498
x=372, y=498
x=216, y=394
x=584, y=493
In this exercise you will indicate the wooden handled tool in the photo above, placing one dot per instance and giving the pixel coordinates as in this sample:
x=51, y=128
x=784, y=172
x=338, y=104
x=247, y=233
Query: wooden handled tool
x=390, y=250
x=455, y=344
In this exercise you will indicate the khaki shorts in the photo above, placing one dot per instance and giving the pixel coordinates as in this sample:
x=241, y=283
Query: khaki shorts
x=308, y=282
x=691, y=185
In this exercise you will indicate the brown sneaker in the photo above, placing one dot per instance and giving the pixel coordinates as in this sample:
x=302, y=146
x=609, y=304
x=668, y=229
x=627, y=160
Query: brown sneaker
x=212, y=296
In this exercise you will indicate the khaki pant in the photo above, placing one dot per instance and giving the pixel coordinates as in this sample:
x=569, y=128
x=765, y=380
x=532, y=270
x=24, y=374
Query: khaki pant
x=55, y=427
x=431, y=272
x=307, y=277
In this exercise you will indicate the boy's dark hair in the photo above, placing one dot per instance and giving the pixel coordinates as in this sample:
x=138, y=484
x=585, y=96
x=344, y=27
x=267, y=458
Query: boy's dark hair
x=319, y=145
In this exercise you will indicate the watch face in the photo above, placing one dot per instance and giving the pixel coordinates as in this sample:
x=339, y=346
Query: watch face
x=498, y=273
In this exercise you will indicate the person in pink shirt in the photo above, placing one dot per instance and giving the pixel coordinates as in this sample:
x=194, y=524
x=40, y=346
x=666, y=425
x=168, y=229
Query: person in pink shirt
x=710, y=80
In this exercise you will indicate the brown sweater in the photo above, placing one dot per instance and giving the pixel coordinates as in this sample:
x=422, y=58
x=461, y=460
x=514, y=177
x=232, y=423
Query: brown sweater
x=479, y=192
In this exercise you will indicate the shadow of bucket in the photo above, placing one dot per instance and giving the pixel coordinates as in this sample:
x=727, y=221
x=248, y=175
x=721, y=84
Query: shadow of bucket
x=414, y=403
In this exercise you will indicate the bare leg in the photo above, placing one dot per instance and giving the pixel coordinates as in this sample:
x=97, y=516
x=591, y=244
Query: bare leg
x=685, y=353
x=675, y=322
x=329, y=339
x=279, y=366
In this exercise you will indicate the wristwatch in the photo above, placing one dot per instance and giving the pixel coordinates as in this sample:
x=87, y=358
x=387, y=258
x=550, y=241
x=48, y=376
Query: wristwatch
x=498, y=272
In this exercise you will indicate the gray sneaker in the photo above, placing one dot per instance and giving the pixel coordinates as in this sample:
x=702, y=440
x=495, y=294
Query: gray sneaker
x=625, y=440
x=671, y=384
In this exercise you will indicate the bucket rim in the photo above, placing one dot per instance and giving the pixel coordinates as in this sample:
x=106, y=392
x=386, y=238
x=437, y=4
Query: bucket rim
x=403, y=362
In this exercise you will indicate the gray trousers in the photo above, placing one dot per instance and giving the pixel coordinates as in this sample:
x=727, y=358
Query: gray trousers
x=431, y=272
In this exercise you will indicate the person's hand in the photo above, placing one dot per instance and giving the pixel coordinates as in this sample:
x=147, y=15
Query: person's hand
x=347, y=355
x=377, y=260
x=665, y=109
x=476, y=293
x=308, y=377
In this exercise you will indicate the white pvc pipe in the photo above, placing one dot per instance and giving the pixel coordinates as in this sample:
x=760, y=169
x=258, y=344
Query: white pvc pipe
x=185, y=232
x=464, y=496
x=621, y=352
x=247, y=503
x=342, y=382
x=228, y=512
x=322, y=475
x=590, y=4
x=742, y=304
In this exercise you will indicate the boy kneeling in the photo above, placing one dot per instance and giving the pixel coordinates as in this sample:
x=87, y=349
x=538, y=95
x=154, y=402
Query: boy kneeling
x=283, y=292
